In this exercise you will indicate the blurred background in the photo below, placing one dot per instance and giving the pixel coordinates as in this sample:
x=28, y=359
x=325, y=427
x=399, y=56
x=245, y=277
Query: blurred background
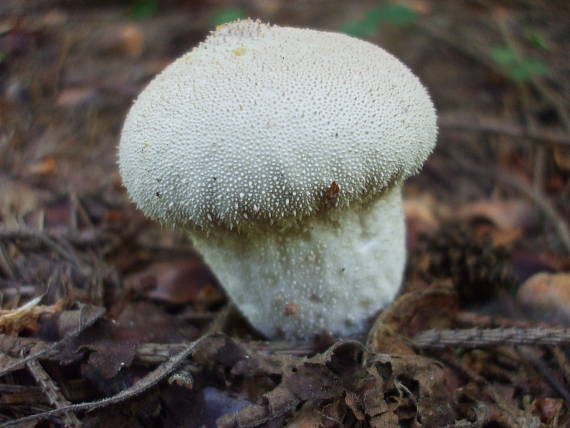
x=488, y=216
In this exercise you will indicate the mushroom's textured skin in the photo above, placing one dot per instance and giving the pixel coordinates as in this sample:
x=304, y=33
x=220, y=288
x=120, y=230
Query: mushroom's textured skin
x=331, y=272
x=282, y=151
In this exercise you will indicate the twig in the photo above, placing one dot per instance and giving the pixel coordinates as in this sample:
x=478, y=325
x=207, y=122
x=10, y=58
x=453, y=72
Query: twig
x=156, y=353
x=4, y=387
x=78, y=211
x=473, y=319
x=563, y=363
x=52, y=392
x=48, y=240
x=5, y=263
x=54, y=349
x=495, y=127
x=218, y=324
x=474, y=337
x=546, y=372
x=150, y=380
x=539, y=160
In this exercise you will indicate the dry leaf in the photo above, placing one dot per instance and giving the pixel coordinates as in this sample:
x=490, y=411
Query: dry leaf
x=505, y=214
x=548, y=408
x=46, y=166
x=12, y=321
x=307, y=417
x=179, y=282
x=75, y=97
x=17, y=201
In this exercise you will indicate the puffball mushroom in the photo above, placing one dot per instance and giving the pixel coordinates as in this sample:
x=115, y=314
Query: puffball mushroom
x=283, y=151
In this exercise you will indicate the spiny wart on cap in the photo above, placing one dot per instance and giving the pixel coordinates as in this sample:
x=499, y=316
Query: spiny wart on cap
x=255, y=123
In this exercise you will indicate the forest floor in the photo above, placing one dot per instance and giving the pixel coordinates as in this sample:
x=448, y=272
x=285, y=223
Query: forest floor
x=109, y=319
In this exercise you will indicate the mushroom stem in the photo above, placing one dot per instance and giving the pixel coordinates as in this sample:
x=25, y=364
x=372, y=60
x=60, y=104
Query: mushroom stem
x=332, y=271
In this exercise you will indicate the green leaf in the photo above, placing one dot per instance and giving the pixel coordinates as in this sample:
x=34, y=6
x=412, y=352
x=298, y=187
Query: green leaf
x=537, y=39
x=227, y=14
x=361, y=28
x=143, y=9
x=2, y=57
x=516, y=68
x=527, y=69
x=393, y=13
x=504, y=56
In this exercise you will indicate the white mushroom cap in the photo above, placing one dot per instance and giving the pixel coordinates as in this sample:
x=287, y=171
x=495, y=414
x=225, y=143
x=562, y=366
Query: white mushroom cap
x=255, y=123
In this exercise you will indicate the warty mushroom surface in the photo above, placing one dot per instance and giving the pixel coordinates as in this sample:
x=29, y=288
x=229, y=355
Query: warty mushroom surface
x=282, y=151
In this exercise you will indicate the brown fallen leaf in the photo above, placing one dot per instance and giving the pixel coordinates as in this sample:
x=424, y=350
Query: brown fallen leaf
x=411, y=313
x=55, y=18
x=421, y=213
x=179, y=282
x=548, y=408
x=112, y=348
x=308, y=417
x=17, y=201
x=113, y=342
x=75, y=97
x=46, y=166
x=421, y=210
x=505, y=214
x=414, y=388
x=313, y=381
x=505, y=237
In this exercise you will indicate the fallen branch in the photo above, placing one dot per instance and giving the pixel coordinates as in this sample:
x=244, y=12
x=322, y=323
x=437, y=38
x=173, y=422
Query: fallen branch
x=474, y=337
x=52, y=392
x=150, y=380
x=156, y=353
x=490, y=126
x=472, y=319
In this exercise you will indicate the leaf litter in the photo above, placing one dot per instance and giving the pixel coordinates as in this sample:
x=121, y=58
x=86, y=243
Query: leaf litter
x=108, y=319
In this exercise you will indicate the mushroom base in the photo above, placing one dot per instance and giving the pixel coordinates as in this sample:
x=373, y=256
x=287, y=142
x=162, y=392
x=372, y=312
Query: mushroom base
x=333, y=271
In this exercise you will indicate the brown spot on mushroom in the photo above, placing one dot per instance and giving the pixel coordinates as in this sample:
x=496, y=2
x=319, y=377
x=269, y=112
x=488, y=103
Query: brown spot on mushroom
x=290, y=309
x=332, y=192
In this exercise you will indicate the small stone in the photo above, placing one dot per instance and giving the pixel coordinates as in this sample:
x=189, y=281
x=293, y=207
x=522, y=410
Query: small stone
x=547, y=296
